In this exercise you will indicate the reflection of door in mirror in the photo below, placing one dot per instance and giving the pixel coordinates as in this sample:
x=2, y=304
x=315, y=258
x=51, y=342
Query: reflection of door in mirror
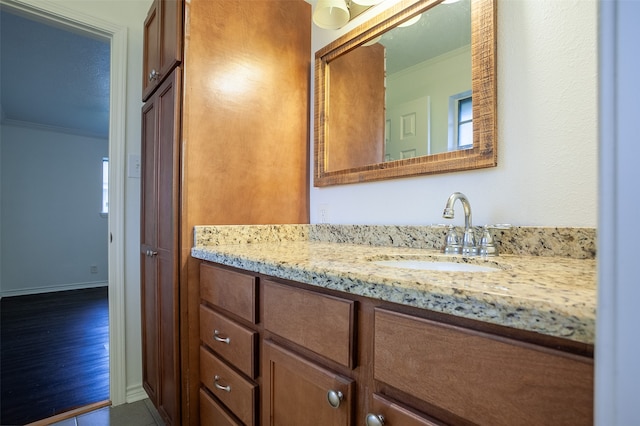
x=356, y=96
x=409, y=129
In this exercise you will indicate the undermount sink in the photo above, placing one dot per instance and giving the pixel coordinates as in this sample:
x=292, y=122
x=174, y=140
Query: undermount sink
x=435, y=265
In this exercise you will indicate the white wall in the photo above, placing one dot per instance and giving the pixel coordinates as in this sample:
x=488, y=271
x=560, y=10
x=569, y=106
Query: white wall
x=52, y=232
x=547, y=131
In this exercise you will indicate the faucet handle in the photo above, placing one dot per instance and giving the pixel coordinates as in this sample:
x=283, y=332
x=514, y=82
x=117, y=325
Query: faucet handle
x=487, y=245
x=452, y=242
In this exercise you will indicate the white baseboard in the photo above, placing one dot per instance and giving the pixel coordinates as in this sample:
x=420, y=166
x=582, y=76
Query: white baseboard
x=50, y=289
x=135, y=393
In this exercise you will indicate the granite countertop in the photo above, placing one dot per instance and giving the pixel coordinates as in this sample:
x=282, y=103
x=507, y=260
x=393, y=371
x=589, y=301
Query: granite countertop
x=553, y=295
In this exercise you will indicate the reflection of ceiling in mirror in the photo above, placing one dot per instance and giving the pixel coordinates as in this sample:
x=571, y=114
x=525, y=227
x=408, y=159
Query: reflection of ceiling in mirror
x=441, y=29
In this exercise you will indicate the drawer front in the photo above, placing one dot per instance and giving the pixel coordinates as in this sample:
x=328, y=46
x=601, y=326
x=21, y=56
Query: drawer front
x=235, y=392
x=233, y=342
x=212, y=414
x=479, y=377
x=394, y=414
x=323, y=324
x=231, y=291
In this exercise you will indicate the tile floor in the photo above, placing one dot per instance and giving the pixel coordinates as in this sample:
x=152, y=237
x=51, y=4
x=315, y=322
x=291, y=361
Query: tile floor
x=141, y=413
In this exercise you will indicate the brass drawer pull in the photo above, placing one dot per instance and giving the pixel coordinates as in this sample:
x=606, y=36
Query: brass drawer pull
x=219, y=386
x=218, y=338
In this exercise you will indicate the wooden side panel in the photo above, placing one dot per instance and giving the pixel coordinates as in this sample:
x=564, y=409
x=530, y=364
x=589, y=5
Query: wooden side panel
x=323, y=324
x=235, y=343
x=356, y=95
x=483, y=378
x=297, y=391
x=246, y=121
x=231, y=291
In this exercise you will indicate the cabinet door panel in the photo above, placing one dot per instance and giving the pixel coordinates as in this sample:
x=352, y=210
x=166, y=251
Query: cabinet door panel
x=151, y=57
x=170, y=35
x=297, y=390
x=162, y=43
x=159, y=249
x=479, y=377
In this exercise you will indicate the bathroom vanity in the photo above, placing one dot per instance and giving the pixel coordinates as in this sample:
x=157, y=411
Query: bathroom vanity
x=299, y=325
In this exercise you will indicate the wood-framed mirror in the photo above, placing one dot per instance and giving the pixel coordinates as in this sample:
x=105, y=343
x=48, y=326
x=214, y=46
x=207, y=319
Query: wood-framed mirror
x=388, y=105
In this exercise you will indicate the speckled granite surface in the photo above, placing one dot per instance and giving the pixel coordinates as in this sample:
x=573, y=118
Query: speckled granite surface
x=551, y=292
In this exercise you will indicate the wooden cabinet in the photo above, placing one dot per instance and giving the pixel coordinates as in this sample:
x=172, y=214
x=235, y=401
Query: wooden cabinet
x=159, y=249
x=162, y=43
x=378, y=363
x=239, y=73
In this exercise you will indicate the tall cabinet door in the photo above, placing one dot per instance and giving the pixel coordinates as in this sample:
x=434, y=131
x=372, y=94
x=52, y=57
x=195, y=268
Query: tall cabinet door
x=159, y=247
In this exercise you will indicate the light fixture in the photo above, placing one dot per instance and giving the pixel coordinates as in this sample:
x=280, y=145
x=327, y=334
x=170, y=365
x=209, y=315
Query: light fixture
x=331, y=14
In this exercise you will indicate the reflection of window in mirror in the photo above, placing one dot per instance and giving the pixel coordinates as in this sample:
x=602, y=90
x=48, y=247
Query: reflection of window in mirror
x=460, y=121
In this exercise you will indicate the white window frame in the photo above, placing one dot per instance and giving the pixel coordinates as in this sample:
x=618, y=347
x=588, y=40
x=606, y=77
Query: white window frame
x=454, y=121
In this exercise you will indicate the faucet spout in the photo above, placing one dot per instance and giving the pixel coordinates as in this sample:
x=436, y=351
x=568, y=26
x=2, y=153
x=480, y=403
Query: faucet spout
x=469, y=240
x=448, y=209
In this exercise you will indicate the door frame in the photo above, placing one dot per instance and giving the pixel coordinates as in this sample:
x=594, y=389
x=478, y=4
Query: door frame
x=117, y=37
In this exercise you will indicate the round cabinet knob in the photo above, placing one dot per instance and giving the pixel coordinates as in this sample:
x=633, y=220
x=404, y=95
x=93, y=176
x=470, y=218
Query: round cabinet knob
x=153, y=75
x=374, y=420
x=334, y=398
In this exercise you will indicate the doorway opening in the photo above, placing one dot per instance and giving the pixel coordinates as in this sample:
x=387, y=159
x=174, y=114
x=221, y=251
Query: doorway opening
x=113, y=235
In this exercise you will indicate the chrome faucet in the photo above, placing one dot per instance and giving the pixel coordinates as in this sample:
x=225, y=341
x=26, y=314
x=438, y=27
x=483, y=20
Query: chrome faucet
x=469, y=247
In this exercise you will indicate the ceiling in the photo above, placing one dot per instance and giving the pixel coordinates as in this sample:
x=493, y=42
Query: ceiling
x=52, y=76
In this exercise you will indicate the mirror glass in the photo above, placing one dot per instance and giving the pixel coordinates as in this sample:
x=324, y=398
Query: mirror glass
x=410, y=92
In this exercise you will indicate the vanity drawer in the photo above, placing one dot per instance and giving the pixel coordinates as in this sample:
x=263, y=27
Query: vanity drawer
x=477, y=376
x=397, y=415
x=212, y=414
x=231, y=291
x=321, y=323
x=234, y=391
x=232, y=341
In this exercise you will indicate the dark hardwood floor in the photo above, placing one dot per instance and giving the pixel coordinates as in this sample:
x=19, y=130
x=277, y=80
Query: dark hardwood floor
x=54, y=353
